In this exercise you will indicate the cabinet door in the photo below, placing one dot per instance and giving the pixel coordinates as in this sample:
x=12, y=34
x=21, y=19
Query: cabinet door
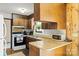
x=52, y=25
x=29, y=24
x=49, y=25
x=72, y=26
x=61, y=51
x=75, y=20
x=15, y=22
x=69, y=21
x=44, y=25
x=33, y=51
x=19, y=20
x=75, y=37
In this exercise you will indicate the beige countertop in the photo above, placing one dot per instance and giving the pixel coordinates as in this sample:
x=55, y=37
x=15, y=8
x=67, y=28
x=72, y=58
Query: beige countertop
x=48, y=43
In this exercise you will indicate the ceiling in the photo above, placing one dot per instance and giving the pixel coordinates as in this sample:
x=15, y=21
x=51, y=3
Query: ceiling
x=13, y=8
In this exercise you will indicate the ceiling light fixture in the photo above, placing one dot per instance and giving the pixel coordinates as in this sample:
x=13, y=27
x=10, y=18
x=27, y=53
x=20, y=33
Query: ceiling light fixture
x=22, y=10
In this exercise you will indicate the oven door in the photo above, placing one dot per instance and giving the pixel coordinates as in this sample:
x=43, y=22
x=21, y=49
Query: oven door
x=19, y=41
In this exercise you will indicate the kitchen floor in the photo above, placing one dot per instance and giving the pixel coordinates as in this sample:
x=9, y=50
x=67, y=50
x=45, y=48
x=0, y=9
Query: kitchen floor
x=24, y=51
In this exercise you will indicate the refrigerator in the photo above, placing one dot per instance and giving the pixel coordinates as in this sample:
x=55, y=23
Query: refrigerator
x=8, y=36
x=2, y=36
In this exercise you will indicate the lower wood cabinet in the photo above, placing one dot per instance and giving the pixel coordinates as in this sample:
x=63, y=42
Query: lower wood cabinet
x=34, y=51
x=61, y=51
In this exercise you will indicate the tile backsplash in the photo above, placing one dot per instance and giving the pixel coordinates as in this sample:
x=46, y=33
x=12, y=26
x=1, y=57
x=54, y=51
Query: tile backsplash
x=50, y=32
x=59, y=32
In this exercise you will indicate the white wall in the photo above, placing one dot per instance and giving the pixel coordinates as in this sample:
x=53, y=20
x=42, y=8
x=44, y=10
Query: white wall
x=6, y=15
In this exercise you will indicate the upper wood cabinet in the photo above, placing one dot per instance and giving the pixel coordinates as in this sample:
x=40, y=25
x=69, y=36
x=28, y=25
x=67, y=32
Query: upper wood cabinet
x=49, y=25
x=69, y=21
x=72, y=19
x=19, y=20
x=53, y=12
x=72, y=23
x=37, y=11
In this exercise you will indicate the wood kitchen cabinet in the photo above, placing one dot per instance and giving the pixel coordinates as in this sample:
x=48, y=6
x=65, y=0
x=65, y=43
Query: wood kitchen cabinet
x=49, y=25
x=72, y=28
x=72, y=19
x=61, y=51
x=44, y=25
x=29, y=25
x=20, y=20
x=28, y=39
x=34, y=51
x=51, y=12
x=69, y=21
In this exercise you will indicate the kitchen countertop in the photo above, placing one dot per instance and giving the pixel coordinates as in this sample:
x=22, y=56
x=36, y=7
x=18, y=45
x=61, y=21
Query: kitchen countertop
x=47, y=43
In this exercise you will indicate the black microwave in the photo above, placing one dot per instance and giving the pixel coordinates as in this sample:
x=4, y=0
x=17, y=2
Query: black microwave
x=57, y=37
